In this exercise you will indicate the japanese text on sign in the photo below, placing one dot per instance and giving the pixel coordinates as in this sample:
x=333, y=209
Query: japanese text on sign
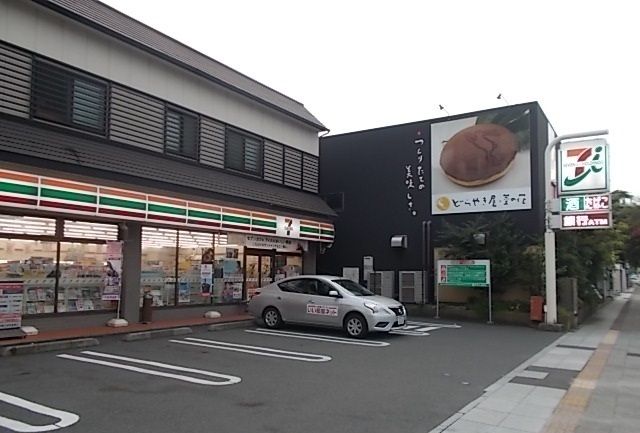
x=586, y=220
x=464, y=273
x=585, y=203
x=11, y=304
x=322, y=310
x=414, y=179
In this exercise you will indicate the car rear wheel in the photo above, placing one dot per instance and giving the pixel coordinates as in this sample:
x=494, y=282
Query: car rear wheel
x=272, y=318
x=355, y=325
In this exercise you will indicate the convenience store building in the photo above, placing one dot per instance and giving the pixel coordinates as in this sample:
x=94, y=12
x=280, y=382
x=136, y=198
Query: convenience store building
x=132, y=164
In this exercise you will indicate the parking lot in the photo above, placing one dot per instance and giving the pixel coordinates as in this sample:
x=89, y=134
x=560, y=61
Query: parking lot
x=252, y=379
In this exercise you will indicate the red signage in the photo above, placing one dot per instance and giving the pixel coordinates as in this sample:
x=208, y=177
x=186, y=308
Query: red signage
x=586, y=220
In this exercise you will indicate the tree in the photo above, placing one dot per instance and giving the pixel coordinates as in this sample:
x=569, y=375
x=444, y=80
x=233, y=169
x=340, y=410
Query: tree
x=626, y=217
x=514, y=256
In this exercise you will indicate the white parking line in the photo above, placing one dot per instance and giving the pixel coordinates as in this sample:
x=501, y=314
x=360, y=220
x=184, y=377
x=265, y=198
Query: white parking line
x=227, y=379
x=318, y=337
x=409, y=332
x=65, y=418
x=437, y=325
x=254, y=350
x=421, y=329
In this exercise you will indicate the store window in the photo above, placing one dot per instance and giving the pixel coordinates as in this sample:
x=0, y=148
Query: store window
x=173, y=273
x=158, y=271
x=82, y=271
x=33, y=264
x=229, y=284
x=287, y=266
x=193, y=247
x=60, y=272
x=63, y=96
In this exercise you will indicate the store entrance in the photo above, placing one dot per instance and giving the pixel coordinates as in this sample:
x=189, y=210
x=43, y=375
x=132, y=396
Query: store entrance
x=263, y=267
x=258, y=270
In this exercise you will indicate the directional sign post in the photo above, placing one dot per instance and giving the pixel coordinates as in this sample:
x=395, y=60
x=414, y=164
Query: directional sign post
x=464, y=273
x=582, y=168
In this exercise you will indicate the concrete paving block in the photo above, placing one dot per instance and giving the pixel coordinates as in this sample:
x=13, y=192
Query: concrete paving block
x=512, y=391
x=48, y=346
x=231, y=325
x=524, y=423
x=485, y=416
x=537, y=411
x=463, y=426
x=146, y=335
x=498, y=404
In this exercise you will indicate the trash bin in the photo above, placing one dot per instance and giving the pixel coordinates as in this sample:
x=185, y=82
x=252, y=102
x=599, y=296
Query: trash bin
x=145, y=311
x=537, y=308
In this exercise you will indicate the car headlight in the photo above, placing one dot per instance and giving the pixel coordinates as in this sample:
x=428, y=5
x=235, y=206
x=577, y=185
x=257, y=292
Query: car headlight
x=376, y=308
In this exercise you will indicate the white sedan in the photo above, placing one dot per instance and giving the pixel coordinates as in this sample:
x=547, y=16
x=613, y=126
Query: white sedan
x=326, y=301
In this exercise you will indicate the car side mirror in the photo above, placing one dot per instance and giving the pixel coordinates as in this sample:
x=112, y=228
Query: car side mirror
x=334, y=294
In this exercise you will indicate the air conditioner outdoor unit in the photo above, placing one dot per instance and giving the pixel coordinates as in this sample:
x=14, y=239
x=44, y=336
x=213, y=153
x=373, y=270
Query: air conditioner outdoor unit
x=410, y=286
x=382, y=283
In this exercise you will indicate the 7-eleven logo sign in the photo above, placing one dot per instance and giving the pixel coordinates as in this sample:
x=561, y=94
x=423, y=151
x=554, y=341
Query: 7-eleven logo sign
x=288, y=227
x=583, y=166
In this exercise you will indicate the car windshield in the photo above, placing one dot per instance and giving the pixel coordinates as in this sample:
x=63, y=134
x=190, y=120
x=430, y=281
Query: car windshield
x=354, y=288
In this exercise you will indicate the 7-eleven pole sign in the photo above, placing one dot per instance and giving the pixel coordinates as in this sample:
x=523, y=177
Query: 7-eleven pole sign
x=583, y=167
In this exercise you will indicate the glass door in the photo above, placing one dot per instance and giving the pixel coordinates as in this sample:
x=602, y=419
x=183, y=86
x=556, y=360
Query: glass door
x=258, y=271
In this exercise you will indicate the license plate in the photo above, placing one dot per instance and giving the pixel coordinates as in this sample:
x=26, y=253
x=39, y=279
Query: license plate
x=400, y=321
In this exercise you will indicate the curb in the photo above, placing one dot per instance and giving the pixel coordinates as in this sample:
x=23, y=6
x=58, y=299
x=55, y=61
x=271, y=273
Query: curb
x=48, y=346
x=230, y=325
x=147, y=335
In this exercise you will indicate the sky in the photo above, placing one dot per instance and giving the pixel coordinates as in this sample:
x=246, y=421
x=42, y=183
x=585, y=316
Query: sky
x=359, y=64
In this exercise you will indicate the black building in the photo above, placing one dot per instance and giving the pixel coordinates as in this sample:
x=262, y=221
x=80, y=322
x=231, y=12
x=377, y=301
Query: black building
x=399, y=182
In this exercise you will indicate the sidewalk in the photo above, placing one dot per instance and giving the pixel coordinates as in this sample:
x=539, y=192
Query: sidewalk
x=101, y=331
x=587, y=381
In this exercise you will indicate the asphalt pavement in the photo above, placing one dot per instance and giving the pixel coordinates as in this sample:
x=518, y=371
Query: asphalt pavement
x=250, y=379
x=436, y=377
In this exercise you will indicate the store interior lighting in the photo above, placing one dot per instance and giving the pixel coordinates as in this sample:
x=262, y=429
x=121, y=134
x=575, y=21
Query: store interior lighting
x=90, y=230
x=152, y=237
x=167, y=238
x=22, y=225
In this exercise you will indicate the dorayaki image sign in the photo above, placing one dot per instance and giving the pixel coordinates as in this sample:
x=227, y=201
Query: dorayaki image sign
x=482, y=163
x=583, y=166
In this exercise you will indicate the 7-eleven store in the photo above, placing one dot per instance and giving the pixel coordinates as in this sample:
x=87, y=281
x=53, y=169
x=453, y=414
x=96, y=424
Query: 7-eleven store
x=75, y=248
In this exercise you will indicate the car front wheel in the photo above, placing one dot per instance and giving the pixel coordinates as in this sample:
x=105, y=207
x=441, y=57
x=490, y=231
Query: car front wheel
x=272, y=318
x=355, y=326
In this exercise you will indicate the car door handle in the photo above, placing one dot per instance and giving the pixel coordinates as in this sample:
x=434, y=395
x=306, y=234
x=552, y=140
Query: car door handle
x=279, y=298
x=310, y=301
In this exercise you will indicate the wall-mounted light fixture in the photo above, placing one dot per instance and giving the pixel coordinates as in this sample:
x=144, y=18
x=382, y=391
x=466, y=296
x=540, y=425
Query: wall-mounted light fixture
x=399, y=241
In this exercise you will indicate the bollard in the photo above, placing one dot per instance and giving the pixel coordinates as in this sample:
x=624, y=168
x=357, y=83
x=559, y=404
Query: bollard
x=145, y=311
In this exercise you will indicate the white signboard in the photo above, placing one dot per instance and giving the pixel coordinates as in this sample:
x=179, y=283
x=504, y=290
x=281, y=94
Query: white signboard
x=352, y=274
x=273, y=243
x=11, y=304
x=583, y=166
x=288, y=227
x=113, y=279
x=482, y=163
x=322, y=310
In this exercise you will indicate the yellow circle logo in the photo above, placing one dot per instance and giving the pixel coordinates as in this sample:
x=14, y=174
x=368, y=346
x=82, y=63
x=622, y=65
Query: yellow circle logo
x=443, y=203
